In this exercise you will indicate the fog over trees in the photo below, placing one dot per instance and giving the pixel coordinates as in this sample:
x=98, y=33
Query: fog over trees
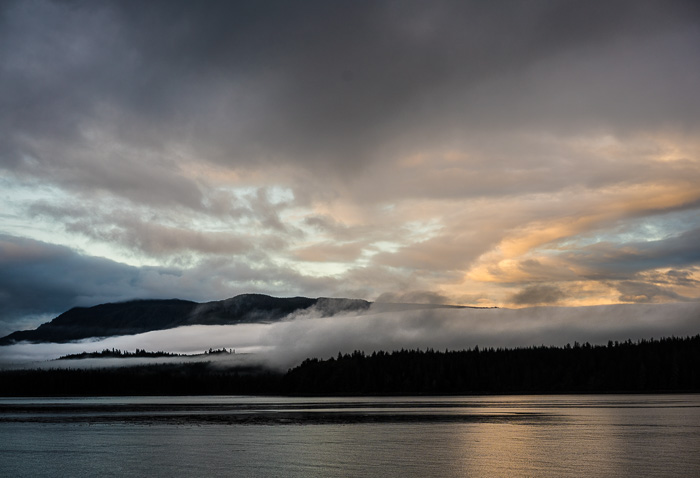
x=665, y=365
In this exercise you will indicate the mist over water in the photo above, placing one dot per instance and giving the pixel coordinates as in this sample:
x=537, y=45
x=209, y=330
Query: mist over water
x=286, y=343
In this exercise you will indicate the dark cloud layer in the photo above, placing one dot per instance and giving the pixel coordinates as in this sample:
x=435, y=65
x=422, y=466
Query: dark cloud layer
x=323, y=84
x=607, y=259
x=42, y=280
x=538, y=294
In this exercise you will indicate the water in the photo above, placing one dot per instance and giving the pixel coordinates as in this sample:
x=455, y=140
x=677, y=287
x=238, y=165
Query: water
x=603, y=435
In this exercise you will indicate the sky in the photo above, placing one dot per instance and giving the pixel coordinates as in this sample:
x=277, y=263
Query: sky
x=510, y=154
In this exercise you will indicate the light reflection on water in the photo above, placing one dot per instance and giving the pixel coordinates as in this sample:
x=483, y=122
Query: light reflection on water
x=603, y=435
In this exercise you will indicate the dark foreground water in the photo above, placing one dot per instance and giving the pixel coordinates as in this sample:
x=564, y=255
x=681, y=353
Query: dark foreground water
x=602, y=435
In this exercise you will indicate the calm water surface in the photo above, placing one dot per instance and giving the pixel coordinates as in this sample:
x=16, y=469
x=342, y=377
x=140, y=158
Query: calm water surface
x=603, y=435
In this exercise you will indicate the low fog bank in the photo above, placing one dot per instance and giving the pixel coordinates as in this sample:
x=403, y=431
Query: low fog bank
x=232, y=360
x=285, y=344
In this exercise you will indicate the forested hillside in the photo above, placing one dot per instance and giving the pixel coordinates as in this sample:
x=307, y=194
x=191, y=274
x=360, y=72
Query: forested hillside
x=667, y=364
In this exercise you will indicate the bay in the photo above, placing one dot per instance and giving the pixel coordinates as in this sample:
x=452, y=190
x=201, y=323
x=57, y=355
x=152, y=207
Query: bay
x=539, y=435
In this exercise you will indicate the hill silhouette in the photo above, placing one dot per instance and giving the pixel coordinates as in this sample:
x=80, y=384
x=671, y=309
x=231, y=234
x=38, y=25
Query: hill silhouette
x=138, y=316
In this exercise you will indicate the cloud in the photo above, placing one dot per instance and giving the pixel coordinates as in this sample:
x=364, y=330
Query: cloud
x=674, y=277
x=608, y=259
x=38, y=278
x=642, y=292
x=329, y=252
x=538, y=294
x=242, y=83
x=413, y=297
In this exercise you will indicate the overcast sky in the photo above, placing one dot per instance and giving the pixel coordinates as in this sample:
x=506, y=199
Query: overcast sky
x=498, y=153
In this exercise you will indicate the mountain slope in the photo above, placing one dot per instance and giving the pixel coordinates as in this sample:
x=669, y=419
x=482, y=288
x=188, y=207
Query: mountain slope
x=138, y=316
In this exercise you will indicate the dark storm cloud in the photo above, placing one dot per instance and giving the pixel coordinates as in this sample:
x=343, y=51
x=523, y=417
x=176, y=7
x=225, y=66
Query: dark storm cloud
x=38, y=278
x=332, y=84
x=413, y=297
x=607, y=259
x=44, y=280
x=643, y=292
x=676, y=277
x=538, y=294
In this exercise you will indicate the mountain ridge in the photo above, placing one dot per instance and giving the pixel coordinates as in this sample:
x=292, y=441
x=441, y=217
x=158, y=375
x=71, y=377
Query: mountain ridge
x=145, y=315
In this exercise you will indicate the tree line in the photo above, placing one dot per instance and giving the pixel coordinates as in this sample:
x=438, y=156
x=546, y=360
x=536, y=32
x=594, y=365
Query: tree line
x=117, y=353
x=139, y=353
x=670, y=364
x=663, y=365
